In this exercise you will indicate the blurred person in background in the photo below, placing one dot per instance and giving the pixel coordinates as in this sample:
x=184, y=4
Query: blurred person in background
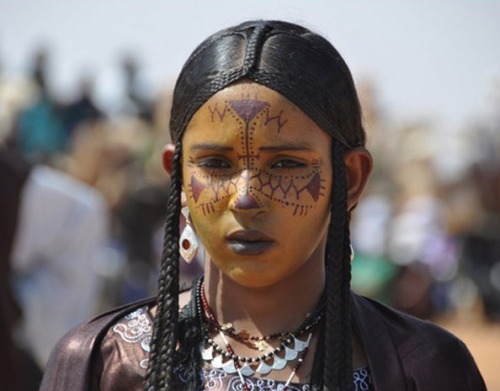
x=81, y=109
x=112, y=155
x=136, y=99
x=39, y=130
x=52, y=233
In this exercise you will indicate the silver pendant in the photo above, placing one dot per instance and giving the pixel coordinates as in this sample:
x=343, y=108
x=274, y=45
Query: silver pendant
x=208, y=353
x=217, y=362
x=290, y=354
x=246, y=370
x=263, y=368
x=229, y=367
x=279, y=363
x=299, y=345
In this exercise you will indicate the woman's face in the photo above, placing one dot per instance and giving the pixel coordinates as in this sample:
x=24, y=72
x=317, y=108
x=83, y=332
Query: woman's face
x=257, y=174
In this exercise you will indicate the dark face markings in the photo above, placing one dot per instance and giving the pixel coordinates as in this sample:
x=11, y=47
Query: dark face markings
x=253, y=184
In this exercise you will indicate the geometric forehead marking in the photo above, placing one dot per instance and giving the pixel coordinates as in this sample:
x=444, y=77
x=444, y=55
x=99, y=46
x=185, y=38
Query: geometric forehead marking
x=247, y=109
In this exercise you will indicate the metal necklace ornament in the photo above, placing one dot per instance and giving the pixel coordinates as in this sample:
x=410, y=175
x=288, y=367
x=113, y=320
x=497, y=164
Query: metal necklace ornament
x=291, y=347
x=225, y=359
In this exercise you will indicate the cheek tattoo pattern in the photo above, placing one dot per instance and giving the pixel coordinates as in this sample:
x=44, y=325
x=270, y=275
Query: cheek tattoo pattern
x=251, y=183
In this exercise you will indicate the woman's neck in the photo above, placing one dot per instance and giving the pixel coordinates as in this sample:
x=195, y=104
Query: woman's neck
x=263, y=311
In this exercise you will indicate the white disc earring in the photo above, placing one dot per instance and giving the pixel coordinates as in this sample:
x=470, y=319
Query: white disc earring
x=188, y=243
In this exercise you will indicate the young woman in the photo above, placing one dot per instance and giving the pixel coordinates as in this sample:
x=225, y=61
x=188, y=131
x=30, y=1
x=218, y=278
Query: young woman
x=269, y=160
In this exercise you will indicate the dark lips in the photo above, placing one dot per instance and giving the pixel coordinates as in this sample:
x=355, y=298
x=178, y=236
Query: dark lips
x=249, y=242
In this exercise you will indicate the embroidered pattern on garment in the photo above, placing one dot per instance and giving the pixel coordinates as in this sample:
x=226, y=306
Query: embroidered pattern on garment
x=218, y=380
x=136, y=327
x=362, y=380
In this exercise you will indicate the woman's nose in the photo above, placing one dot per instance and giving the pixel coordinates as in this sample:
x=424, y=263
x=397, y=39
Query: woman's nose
x=245, y=197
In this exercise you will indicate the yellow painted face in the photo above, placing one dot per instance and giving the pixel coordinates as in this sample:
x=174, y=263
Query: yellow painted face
x=257, y=174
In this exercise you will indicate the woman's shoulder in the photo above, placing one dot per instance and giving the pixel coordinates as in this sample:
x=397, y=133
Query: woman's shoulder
x=88, y=335
x=124, y=352
x=77, y=353
x=404, y=328
x=432, y=357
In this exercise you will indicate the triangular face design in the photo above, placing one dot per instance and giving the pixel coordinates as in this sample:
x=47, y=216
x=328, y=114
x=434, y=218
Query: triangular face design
x=314, y=187
x=246, y=202
x=247, y=109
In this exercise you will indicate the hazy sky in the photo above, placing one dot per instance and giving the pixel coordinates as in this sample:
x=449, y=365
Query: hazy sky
x=438, y=59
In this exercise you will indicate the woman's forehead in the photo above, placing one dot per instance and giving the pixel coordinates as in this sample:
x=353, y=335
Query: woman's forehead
x=250, y=90
x=248, y=103
x=254, y=113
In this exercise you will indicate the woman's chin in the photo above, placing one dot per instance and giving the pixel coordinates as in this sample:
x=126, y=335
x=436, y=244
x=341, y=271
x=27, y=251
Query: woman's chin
x=253, y=278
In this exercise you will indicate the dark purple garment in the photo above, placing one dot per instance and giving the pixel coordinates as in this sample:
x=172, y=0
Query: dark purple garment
x=404, y=353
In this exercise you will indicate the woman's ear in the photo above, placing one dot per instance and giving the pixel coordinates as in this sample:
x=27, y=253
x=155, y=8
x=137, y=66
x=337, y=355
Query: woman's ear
x=359, y=165
x=168, y=157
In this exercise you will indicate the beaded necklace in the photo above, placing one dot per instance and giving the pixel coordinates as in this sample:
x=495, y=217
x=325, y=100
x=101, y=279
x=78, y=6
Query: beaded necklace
x=260, y=342
x=225, y=357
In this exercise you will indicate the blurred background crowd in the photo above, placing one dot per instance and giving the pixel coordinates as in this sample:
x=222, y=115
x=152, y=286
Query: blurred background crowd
x=83, y=194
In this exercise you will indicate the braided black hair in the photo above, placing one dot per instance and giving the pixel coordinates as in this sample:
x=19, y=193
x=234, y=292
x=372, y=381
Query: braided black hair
x=305, y=68
x=164, y=340
x=338, y=356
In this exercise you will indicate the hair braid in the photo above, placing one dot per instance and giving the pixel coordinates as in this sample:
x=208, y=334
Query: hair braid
x=164, y=340
x=346, y=312
x=254, y=45
x=337, y=373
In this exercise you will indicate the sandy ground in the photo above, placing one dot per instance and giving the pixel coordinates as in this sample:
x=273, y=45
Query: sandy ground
x=483, y=341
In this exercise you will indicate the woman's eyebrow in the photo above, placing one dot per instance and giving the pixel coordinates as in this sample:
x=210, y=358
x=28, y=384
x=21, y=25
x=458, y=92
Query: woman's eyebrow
x=285, y=147
x=210, y=147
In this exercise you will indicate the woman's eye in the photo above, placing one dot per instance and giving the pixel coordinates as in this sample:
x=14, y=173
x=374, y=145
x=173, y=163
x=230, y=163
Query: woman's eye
x=214, y=163
x=288, y=163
